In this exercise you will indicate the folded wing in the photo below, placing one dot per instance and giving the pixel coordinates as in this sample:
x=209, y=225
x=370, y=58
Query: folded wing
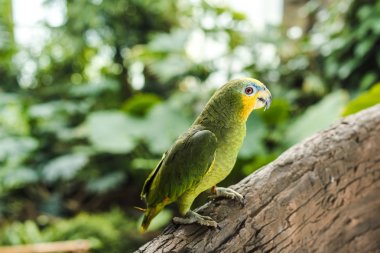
x=181, y=168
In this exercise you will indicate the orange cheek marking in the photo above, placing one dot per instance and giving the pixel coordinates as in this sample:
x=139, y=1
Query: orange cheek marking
x=248, y=105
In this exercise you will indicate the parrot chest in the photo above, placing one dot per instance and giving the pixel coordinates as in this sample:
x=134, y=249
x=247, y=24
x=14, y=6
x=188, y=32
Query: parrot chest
x=229, y=143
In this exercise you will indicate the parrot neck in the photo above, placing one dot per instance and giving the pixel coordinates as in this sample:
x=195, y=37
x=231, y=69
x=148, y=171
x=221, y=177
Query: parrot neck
x=222, y=111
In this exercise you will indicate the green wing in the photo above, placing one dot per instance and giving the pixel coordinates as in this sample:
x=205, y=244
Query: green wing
x=182, y=167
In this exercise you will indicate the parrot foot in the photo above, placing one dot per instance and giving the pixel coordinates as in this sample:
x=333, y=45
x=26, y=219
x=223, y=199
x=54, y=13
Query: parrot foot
x=221, y=192
x=193, y=217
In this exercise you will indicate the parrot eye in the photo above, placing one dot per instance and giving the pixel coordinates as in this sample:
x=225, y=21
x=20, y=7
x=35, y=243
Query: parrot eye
x=249, y=90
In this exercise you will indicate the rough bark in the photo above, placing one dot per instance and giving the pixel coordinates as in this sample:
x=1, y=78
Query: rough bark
x=322, y=195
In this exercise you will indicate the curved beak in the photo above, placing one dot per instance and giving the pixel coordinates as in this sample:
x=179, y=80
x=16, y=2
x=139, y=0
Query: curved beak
x=263, y=98
x=268, y=101
x=266, y=98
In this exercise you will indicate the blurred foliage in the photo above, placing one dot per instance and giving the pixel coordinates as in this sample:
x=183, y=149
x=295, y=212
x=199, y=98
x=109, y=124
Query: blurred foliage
x=8, y=47
x=316, y=117
x=114, y=85
x=365, y=100
x=104, y=231
x=353, y=33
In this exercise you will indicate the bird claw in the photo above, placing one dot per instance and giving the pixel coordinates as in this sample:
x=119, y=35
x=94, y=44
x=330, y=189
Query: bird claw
x=193, y=217
x=221, y=192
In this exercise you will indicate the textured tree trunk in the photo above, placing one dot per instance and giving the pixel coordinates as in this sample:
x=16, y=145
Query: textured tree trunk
x=322, y=195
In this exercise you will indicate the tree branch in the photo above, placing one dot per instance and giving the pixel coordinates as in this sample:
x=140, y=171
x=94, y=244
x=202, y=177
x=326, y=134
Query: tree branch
x=321, y=195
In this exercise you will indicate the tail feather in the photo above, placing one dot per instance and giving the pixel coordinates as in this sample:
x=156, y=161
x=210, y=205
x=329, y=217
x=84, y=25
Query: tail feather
x=149, y=214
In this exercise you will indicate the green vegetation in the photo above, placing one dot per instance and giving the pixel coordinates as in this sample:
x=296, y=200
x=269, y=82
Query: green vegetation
x=103, y=230
x=117, y=83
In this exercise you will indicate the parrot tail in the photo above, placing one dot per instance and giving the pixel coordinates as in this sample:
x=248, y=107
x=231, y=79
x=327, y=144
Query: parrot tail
x=149, y=214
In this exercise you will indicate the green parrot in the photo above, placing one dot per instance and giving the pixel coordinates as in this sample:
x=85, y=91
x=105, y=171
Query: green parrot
x=205, y=154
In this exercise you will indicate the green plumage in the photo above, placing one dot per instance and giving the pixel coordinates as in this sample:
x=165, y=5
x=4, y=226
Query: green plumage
x=186, y=162
x=204, y=155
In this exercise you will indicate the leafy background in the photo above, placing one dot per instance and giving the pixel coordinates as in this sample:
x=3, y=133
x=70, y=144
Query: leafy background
x=114, y=85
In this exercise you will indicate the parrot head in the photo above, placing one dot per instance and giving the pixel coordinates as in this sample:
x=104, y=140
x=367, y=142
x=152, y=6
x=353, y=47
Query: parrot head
x=253, y=95
x=234, y=101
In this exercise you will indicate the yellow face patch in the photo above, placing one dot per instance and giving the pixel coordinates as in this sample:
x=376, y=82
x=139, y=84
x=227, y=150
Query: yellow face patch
x=249, y=103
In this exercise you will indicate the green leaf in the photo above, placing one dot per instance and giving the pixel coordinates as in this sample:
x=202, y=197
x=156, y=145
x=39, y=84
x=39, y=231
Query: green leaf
x=171, y=66
x=367, y=80
x=375, y=25
x=172, y=42
x=346, y=69
x=21, y=233
x=54, y=116
x=316, y=117
x=64, y=167
x=364, y=12
x=313, y=84
x=140, y=104
x=16, y=148
x=258, y=162
x=112, y=131
x=238, y=16
x=277, y=114
x=106, y=182
x=365, y=46
x=19, y=177
x=32, y=232
x=163, y=125
x=13, y=118
x=144, y=164
x=94, y=89
x=254, y=141
x=363, y=101
x=116, y=132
